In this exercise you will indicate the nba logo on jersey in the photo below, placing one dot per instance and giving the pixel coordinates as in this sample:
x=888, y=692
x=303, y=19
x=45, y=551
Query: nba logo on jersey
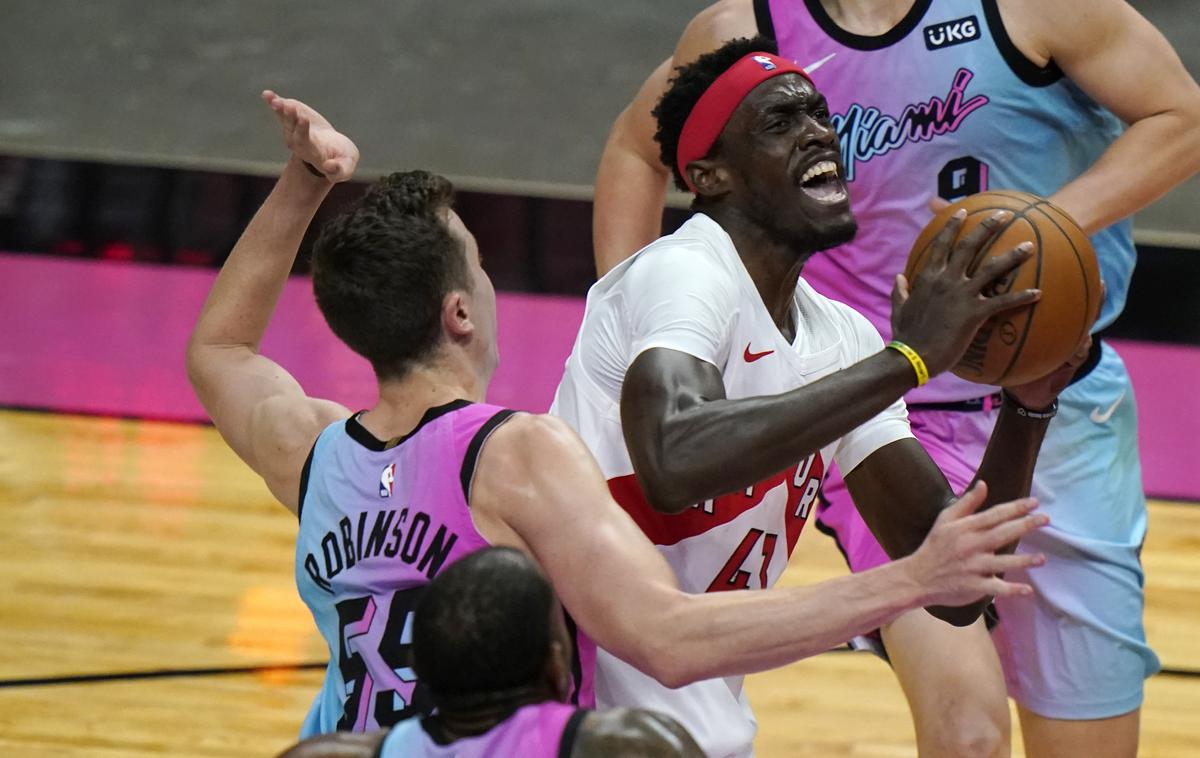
x=385, y=480
x=765, y=62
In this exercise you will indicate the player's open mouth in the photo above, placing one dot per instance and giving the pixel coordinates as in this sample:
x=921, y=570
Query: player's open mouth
x=822, y=182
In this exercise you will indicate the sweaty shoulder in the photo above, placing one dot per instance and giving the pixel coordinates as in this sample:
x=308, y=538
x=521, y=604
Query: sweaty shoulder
x=283, y=430
x=633, y=733
x=714, y=26
x=693, y=255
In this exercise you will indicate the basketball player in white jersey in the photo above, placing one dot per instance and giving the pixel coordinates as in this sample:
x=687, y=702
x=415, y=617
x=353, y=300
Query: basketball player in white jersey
x=1081, y=101
x=406, y=268
x=715, y=386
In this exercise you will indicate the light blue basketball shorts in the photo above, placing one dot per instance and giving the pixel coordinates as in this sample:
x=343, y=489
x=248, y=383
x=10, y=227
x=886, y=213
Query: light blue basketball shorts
x=1077, y=648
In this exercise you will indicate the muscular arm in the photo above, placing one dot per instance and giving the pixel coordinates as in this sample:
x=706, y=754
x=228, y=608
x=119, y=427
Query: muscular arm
x=260, y=410
x=1119, y=59
x=689, y=443
x=633, y=733
x=900, y=491
x=538, y=489
x=631, y=182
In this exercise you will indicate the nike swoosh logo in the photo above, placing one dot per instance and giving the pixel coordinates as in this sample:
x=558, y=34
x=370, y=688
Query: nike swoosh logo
x=1101, y=417
x=814, y=66
x=752, y=357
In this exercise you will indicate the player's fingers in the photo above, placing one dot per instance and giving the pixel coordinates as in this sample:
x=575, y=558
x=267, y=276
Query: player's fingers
x=999, y=564
x=1013, y=530
x=937, y=204
x=1081, y=353
x=968, y=503
x=943, y=241
x=899, y=292
x=1009, y=301
x=997, y=587
x=1002, y=512
x=969, y=245
x=999, y=266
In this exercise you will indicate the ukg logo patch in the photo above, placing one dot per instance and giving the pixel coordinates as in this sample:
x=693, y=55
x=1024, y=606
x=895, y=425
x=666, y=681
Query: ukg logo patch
x=950, y=33
x=868, y=132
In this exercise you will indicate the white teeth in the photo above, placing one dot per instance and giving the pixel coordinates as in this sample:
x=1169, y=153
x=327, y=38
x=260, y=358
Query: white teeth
x=824, y=167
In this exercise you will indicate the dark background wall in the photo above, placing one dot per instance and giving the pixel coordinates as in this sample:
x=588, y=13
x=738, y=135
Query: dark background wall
x=511, y=96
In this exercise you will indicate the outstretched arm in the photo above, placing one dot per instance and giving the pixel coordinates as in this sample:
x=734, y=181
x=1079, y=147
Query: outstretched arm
x=900, y=491
x=631, y=182
x=538, y=489
x=1119, y=59
x=260, y=410
x=688, y=442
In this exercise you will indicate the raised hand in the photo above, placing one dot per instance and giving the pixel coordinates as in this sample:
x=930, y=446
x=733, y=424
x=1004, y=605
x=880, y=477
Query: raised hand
x=939, y=312
x=312, y=139
x=957, y=563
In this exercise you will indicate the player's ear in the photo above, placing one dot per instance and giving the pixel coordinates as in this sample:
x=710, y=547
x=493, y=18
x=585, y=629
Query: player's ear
x=708, y=176
x=456, y=315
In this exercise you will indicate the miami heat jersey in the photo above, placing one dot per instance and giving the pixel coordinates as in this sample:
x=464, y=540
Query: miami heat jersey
x=378, y=520
x=544, y=730
x=690, y=292
x=942, y=105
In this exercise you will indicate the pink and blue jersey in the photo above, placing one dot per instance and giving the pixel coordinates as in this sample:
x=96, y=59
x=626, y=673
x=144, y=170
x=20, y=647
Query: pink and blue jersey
x=378, y=520
x=544, y=730
x=942, y=105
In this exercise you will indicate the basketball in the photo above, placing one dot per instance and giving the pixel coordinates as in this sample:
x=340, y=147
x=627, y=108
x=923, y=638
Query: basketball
x=1021, y=345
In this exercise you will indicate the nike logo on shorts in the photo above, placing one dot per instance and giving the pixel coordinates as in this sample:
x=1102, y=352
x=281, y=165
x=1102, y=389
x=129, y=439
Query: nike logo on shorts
x=752, y=357
x=1101, y=417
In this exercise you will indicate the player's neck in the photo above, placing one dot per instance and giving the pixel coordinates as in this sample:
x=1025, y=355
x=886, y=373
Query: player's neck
x=403, y=402
x=869, y=18
x=456, y=724
x=774, y=266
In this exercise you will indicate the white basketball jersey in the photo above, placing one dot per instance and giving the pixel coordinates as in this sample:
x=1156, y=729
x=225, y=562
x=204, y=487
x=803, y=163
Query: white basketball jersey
x=690, y=292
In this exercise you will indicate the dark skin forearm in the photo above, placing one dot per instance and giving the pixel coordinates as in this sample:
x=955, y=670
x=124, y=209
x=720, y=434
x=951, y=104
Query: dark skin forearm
x=1011, y=453
x=705, y=445
x=899, y=491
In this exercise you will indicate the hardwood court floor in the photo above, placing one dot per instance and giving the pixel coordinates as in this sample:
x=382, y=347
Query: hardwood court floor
x=148, y=608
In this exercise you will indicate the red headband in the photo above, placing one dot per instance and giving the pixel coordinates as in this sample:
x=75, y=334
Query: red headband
x=714, y=108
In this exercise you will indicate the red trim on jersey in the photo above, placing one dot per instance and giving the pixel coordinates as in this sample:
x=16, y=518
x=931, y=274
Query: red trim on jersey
x=802, y=481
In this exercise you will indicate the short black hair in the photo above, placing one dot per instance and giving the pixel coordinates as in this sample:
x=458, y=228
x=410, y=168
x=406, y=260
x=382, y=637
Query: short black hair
x=382, y=269
x=685, y=89
x=483, y=627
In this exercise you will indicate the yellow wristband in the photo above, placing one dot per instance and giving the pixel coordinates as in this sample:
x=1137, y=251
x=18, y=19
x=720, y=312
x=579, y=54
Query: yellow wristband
x=917, y=364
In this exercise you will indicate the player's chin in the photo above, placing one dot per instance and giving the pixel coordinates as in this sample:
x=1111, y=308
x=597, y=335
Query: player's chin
x=834, y=231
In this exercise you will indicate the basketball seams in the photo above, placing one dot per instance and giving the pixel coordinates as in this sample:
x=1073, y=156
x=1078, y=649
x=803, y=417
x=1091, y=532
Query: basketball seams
x=1037, y=282
x=1078, y=260
x=1043, y=338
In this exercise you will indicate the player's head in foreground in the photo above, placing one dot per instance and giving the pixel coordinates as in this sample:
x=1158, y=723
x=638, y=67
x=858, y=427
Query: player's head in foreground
x=489, y=632
x=488, y=638
x=749, y=134
x=398, y=278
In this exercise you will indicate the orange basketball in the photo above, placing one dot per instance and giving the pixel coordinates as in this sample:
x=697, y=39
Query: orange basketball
x=1024, y=344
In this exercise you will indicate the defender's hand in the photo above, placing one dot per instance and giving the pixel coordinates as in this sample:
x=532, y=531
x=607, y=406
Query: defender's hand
x=957, y=563
x=312, y=139
x=939, y=312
